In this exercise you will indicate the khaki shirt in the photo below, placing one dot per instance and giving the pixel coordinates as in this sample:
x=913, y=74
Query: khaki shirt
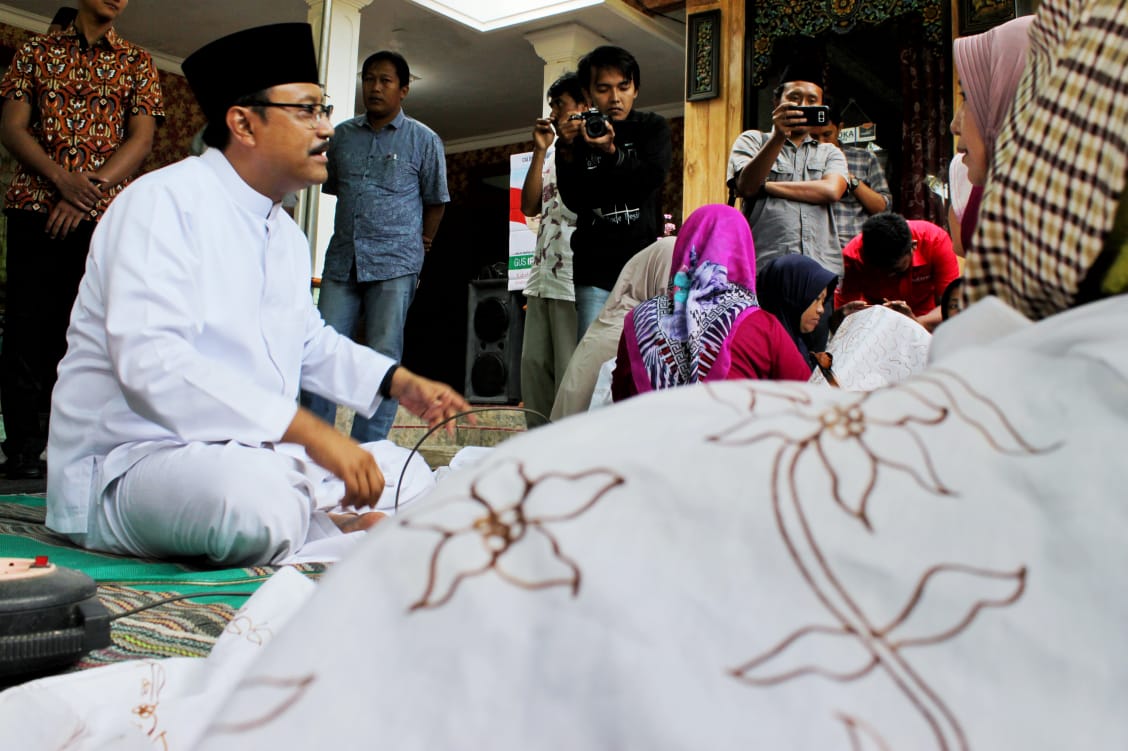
x=779, y=225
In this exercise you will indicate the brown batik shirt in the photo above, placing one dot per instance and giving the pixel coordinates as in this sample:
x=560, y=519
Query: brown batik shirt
x=82, y=96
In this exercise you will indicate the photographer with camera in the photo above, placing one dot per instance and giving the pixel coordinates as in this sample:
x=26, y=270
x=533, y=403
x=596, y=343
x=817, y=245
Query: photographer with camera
x=611, y=162
x=550, y=302
x=786, y=179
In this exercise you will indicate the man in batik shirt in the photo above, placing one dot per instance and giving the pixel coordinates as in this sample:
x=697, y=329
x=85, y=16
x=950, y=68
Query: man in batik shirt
x=79, y=116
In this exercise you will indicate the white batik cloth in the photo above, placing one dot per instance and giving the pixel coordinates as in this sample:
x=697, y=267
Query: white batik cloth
x=737, y=565
x=149, y=704
x=874, y=348
x=407, y=477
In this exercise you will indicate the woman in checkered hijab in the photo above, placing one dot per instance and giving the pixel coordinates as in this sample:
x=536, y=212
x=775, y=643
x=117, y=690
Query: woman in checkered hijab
x=1047, y=238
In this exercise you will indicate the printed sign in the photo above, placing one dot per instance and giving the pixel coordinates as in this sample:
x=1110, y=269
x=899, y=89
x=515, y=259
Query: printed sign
x=522, y=236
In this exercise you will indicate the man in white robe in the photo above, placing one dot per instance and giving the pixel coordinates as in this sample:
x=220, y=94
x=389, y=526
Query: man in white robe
x=194, y=327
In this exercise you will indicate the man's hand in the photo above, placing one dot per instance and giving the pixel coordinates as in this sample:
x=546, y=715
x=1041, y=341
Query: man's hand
x=606, y=142
x=785, y=118
x=341, y=455
x=900, y=306
x=82, y=189
x=853, y=307
x=571, y=127
x=63, y=219
x=840, y=314
x=543, y=134
x=430, y=400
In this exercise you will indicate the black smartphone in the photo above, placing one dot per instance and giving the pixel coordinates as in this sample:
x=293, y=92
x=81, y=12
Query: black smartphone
x=815, y=116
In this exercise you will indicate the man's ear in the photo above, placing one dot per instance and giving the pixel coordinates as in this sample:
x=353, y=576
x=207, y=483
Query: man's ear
x=239, y=124
x=405, y=90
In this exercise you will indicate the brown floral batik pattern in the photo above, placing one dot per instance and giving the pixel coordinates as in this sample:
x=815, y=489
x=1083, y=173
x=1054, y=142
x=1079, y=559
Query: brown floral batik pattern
x=855, y=443
x=506, y=525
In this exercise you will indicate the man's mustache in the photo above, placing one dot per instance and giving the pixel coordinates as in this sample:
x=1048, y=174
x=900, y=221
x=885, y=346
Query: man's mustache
x=321, y=148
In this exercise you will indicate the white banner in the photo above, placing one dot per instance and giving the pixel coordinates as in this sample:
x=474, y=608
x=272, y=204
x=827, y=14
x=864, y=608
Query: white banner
x=522, y=230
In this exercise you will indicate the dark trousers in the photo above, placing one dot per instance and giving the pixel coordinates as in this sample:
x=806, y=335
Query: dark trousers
x=43, y=277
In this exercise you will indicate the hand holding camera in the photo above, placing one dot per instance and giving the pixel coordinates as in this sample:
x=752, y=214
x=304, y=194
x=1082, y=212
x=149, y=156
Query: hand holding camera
x=597, y=129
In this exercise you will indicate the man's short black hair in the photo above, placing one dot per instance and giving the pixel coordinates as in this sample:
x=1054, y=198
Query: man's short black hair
x=569, y=84
x=608, y=56
x=403, y=73
x=886, y=239
x=64, y=17
x=217, y=135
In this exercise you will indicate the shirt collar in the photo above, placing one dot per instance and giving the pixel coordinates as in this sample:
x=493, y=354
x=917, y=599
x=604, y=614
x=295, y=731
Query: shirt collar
x=110, y=39
x=243, y=194
x=395, y=124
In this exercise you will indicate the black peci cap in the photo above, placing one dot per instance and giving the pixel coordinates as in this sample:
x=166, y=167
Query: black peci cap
x=247, y=61
x=804, y=61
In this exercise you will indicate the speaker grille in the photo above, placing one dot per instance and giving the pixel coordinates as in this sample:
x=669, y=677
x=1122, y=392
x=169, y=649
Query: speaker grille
x=494, y=326
x=489, y=375
x=491, y=320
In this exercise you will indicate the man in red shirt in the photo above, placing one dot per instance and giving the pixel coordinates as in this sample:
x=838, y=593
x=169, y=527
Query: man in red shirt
x=905, y=265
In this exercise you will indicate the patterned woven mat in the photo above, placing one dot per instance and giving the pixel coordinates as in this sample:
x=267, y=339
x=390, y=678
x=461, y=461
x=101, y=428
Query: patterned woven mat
x=186, y=628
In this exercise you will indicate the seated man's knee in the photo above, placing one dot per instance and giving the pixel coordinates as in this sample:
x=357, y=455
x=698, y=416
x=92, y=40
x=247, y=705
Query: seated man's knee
x=261, y=516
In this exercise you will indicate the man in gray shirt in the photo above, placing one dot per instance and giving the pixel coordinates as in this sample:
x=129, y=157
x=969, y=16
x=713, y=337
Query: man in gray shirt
x=388, y=172
x=788, y=181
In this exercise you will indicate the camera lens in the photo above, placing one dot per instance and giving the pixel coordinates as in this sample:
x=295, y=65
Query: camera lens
x=595, y=125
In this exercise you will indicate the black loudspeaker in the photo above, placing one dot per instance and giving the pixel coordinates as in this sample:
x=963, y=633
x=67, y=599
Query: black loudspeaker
x=495, y=325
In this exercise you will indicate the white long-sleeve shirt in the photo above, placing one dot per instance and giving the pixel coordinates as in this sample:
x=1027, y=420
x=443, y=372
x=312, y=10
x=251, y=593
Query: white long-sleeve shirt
x=193, y=322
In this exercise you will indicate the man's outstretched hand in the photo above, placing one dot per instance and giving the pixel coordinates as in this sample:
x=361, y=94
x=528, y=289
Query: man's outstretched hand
x=430, y=400
x=344, y=457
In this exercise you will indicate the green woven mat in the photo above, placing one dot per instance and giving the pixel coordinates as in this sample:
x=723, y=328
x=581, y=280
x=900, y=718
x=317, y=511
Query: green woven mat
x=186, y=628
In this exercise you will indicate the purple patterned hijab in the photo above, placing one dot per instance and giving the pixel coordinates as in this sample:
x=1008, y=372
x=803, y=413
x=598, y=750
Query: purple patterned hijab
x=682, y=336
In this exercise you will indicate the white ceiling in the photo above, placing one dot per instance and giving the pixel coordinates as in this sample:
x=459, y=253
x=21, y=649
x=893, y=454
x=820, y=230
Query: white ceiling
x=471, y=85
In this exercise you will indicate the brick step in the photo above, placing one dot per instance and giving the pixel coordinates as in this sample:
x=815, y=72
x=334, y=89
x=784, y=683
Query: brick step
x=493, y=427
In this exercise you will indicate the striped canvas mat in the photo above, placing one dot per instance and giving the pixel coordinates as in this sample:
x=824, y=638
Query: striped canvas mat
x=186, y=628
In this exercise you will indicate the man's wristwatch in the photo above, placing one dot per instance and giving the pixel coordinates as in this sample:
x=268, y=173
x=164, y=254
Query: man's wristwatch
x=852, y=183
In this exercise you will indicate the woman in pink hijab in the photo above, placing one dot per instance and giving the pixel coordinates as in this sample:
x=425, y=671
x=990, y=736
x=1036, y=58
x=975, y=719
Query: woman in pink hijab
x=708, y=325
x=990, y=66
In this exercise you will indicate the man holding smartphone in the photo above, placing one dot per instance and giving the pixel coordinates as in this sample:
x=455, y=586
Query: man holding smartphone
x=787, y=180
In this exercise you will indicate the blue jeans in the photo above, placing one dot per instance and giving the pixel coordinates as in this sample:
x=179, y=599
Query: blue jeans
x=385, y=305
x=589, y=301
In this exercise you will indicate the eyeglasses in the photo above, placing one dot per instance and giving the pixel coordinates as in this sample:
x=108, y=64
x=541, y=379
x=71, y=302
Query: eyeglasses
x=311, y=113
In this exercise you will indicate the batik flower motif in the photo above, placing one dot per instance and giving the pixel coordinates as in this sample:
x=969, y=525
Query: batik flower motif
x=842, y=653
x=851, y=439
x=146, y=710
x=848, y=438
x=505, y=525
x=268, y=697
x=255, y=633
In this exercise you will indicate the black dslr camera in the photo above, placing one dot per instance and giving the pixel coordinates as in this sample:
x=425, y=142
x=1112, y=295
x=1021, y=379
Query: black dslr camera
x=595, y=124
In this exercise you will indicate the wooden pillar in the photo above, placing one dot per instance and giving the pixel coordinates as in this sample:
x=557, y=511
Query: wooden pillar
x=712, y=125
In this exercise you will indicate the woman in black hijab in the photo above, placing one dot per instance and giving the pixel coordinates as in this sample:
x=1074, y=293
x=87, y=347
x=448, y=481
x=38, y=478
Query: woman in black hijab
x=797, y=291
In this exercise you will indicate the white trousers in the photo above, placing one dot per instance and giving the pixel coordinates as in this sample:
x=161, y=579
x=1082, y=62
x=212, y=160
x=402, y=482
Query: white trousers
x=229, y=503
